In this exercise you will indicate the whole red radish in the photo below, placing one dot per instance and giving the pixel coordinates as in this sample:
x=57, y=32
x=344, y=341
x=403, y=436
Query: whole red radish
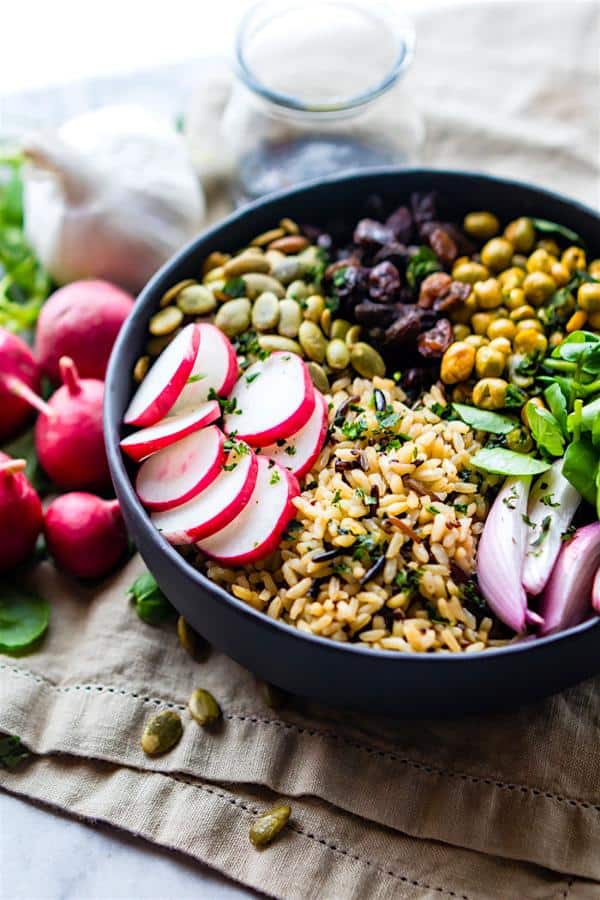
x=81, y=320
x=19, y=382
x=20, y=513
x=69, y=437
x=85, y=534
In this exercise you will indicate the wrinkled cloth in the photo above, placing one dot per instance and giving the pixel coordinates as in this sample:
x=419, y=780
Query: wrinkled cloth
x=495, y=806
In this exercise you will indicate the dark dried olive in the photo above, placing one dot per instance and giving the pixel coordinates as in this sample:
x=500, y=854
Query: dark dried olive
x=424, y=207
x=413, y=379
x=393, y=252
x=401, y=224
x=458, y=293
x=379, y=400
x=372, y=234
x=433, y=288
x=405, y=327
x=329, y=554
x=384, y=282
x=368, y=313
x=373, y=571
x=434, y=343
x=351, y=282
x=443, y=246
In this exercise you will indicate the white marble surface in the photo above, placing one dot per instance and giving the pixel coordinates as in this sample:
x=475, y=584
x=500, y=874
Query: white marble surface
x=47, y=856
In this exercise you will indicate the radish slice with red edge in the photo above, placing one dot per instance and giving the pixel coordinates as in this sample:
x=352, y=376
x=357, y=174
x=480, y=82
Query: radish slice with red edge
x=596, y=592
x=566, y=600
x=214, y=507
x=166, y=379
x=501, y=553
x=179, y=472
x=150, y=440
x=256, y=532
x=300, y=451
x=215, y=368
x=273, y=399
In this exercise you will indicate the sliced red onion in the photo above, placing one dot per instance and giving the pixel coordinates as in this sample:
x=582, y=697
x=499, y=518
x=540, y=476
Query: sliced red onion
x=553, y=502
x=566, y=600
x=596, y=592
x=501, y=554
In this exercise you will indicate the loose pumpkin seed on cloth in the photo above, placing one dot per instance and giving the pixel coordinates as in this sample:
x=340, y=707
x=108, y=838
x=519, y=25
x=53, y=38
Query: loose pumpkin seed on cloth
x=484, y=808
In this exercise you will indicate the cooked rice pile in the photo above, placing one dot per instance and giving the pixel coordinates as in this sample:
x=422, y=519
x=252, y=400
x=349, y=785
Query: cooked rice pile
x=393, y=494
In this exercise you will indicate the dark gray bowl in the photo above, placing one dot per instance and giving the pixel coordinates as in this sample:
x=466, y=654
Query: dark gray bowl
x=346, y=674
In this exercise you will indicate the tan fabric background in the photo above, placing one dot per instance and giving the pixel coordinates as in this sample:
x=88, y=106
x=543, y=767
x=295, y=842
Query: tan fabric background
x=490, y=807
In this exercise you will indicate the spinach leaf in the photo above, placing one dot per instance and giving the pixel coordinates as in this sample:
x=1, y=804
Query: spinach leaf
x=484, y=420
x=590, y=415
x=235, y=287
x=422, y=264
x=24, y=618
x=557, y=402
x=580, y=467
x=12, y=751
x=547, y=227
x=151, y=604
x=498, y=461
x=545, y=429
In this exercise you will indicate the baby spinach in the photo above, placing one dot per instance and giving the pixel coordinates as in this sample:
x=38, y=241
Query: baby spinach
x=24, y=618
x=547, y=227
x=151, y=604
x=484, y=420
x=498, y=461
x=580, y=467
x=545, y=429
x=557, y=402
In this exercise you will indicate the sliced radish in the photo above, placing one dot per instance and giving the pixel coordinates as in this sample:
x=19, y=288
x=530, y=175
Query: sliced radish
x=214, y=507
x=300, y=451
x=256, y=532
x=179, y=472
x=166, y=379
x=216, y=367
x=149, y=440
x=273, y=400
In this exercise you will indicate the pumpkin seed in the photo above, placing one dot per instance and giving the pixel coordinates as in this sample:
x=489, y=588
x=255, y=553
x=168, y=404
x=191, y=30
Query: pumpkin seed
x=292, y=243
x=267, y=826
x=141, y=368
x=313, y=307
x=273, y=342
x=312, y=340
x=257, y=283
x=245, y=263
x=272, y=695
x=196, y=300
x=267, y=236
x=234, y=316
x=290, y=317
x=214, y=260
x=290, y=226
x=174, y=291
x=286, y=270
x=217, y=274
x=156, y=345
x=352, y=335
x=265, y=312
x=325, y=322
x=203, y=707
x=161, y=732
x=366, y=360
x=340, y=328
x=298, y=290
x=165, y=321
x=318, y=377
x=338, y=355
x=191, y=641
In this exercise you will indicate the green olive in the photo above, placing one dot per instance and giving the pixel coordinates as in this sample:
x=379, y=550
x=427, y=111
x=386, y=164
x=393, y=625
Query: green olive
x=497, y=254
x=481, y=225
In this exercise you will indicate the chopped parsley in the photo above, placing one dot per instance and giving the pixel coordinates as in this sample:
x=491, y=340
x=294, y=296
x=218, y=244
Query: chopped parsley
x=237, y=446
x=366, y=545
x=408, y=580
x=544, y=529
x=471, y=595
x=252, y=377
x=528, y=521
x=354, y=430
x=548, y=500
x=235, y=287
x=228, y=407
x=433, y=510
x=365, y=498
x=275, y=477
x=292, y=529
x=337, y=497
x=290, y=450
x=387, y=418
x=194, y=378
x=461, y=508
x=512, y=499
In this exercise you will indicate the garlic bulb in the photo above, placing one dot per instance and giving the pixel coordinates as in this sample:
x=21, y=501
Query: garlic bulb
x=112, y=194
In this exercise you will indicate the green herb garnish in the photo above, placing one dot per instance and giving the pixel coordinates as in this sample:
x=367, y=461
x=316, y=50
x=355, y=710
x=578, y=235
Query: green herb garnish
x=235, y=287
x=422, y=264
x=484, y=420
x=151, y=604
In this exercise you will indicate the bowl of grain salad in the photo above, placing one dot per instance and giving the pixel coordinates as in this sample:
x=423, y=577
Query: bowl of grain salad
x=355, y=433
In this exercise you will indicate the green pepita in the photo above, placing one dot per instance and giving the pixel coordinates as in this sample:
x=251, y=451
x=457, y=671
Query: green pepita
x=161, y=732
x=340, y=328
x=191, y=641
x=273, y=342
x=156, y=345
x=312, y=340
x=165, y=321
x=352, y=335
x=313, y=307
x=140, y=369
x=257, y=283
x=297, y=290
x=196, y=300
x=203, y=707
x=366, y=360
x=174, y=291
x=267, y=826
x=286, y=270
x=325, y=322
x=318, y=377
x=266, y=237
x=244, y=264
x=234, y=316
x=338, y=355
x=272, y=695
x=216, y=274
x=265, y=312
x=290, y=316
x=289, y=226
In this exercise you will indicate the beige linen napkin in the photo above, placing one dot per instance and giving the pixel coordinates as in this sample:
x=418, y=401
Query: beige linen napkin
x=490, y=807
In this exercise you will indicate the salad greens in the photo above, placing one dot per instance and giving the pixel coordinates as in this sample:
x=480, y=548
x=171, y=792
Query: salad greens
x=151, y=604
x=484, y=420
x=24, y=618
x=24, y=285
x=422, y=264
x=547, y=227
x=498, y=461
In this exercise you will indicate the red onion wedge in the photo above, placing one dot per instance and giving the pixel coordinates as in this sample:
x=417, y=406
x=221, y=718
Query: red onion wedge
x=596, y=592
x=502, y=551
x=566, y=600
x=553, y=502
